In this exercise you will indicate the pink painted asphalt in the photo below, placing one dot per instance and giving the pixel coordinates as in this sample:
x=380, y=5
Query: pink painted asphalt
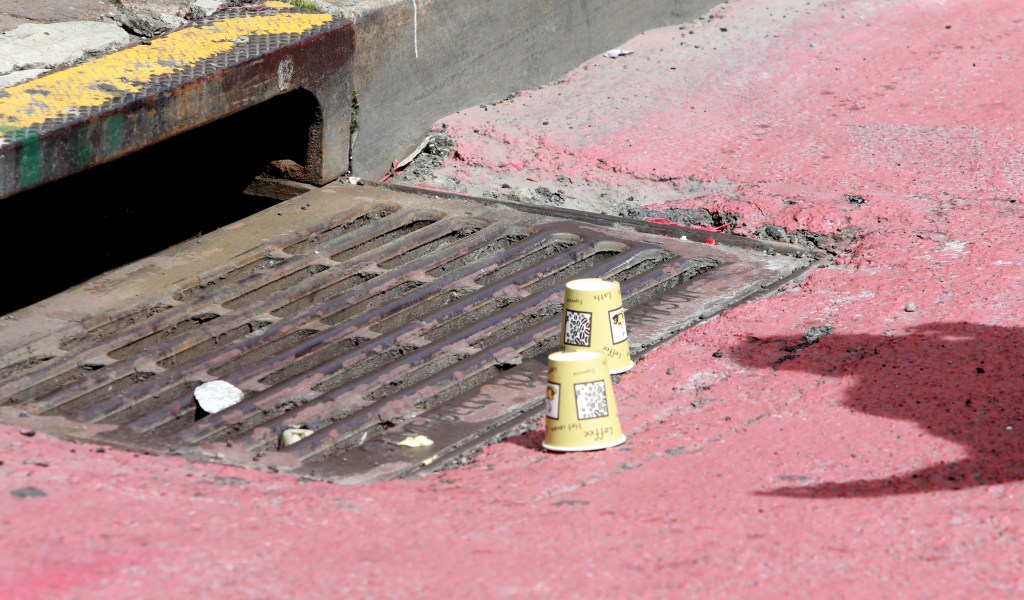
x=885, y=460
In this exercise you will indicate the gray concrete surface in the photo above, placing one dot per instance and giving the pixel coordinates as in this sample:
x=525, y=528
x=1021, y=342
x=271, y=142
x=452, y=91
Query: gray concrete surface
x=36, y=46
x=413, y=66
x=415, y=61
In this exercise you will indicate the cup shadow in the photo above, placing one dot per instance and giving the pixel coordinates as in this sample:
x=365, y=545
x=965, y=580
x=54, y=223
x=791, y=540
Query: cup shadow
x=959, y=381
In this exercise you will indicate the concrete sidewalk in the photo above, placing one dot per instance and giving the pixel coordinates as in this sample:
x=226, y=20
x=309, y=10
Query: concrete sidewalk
x=856, y=436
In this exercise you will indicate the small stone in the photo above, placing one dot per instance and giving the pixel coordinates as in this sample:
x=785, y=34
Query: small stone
x=28, y=492
x=910, y=307
x=27, y=432
x=775, y=232
x=522, y=195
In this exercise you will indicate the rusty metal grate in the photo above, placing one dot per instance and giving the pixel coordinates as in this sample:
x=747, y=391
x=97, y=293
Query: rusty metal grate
x=364, y=313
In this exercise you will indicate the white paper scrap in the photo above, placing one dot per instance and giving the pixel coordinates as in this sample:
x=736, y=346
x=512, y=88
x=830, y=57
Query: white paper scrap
x=416, y=441
x=215, y=396
x=617, y=52
x=294, y=434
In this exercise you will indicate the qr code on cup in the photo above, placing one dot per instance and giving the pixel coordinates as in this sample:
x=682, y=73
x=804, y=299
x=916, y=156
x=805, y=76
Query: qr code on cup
x=591, y=400
x=577, y=328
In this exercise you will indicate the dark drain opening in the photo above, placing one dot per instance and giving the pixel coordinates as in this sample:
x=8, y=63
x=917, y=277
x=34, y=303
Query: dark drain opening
x=113, y=214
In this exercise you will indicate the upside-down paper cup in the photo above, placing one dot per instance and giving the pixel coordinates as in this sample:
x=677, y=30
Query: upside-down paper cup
x=581, y=413
x=594, y=319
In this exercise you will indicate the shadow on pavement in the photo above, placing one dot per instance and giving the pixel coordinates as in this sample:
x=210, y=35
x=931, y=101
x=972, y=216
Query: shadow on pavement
x=960, y=381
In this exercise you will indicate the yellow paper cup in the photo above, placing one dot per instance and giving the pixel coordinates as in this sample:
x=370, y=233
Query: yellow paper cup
x=581, y=413
x=594, y=319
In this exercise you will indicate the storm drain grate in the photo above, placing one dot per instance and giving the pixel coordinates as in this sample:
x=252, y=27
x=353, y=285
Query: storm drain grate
x=363, y=313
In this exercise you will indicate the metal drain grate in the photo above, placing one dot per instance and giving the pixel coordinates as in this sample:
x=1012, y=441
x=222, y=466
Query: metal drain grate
x=364, y=313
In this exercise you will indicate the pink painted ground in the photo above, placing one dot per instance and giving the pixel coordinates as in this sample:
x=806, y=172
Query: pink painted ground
x=883, y=460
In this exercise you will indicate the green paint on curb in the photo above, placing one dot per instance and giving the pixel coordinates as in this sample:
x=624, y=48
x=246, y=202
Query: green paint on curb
x=30, y=164
x=83, y=154
x=113, y=135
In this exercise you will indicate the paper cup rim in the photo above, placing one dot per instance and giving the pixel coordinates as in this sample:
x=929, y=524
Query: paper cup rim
x=602, y=446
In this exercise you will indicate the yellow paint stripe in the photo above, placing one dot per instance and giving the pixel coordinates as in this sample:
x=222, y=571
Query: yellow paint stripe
x=130, y=70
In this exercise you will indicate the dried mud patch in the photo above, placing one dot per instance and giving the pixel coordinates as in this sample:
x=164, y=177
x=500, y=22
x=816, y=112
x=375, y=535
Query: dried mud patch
x=833, y=245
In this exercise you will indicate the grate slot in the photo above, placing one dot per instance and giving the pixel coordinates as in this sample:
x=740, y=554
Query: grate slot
x=127, y=411
x=108, y=329
x=53, y=384
x=527, y=261
x=382, y=240
x=405, y=239
x=468, y=319
x=148, y=343
x=322, y=295
x=22, y=367
x=428, y=248
x=502, y=243
x=695, y=268
x=266, y=291
x=311, y=360
x=648, y=261
x=371, y=303
x=550, y=310
x=373, y=237
x=570, y=271
x=339, y=232
x=215, y=286
x=112, y=390
x=419, y=310
x=362, y=368
x=211, y=345
x=261, y=354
